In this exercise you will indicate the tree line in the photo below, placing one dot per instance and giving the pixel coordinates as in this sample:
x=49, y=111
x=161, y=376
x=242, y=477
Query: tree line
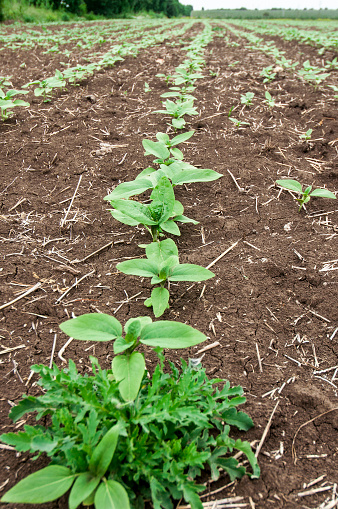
x=118, y=8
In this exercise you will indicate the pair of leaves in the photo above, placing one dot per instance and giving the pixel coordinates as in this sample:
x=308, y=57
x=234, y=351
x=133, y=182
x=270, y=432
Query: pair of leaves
x=128, y=369
x=294, y=185
x=162, y=264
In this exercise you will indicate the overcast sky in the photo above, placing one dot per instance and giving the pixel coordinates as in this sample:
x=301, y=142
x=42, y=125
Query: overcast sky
x=261, y=4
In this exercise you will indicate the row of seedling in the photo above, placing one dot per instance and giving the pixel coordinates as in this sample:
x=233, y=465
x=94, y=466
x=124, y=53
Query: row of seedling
x=119, y=437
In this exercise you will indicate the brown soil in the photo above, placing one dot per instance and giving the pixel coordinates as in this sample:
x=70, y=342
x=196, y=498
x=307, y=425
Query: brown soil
x=272, y=306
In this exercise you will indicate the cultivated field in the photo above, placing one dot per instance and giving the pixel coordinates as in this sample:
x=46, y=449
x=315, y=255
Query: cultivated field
x=264, y=108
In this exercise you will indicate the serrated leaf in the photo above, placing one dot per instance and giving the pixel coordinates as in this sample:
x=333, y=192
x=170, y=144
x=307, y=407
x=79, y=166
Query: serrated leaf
x=43, y=486
x=167, y=334
x=129, y=371
x=290, y=184
x=92, y=327
x=160, y=300
x=27, y=404
x=246, y=448
x=111, y=495
x=84, y=485
x=239, y=419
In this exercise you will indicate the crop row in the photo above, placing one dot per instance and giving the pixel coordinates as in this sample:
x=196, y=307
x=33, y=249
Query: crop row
x=119, y=437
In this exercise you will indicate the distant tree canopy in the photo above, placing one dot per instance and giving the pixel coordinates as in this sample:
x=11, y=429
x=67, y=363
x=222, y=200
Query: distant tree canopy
x=170, y=8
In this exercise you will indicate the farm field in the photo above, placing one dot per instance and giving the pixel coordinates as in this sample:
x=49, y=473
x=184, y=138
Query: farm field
x=266, y=111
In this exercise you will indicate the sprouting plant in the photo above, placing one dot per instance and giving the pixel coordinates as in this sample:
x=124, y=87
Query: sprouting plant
x=115, y=453
x=232, y=64
x=162, y=265
x=294, y=185
x=333, y=64
x=45, y=87
x=268, y=99
x=268, y=74
x=238, y=123
x=158, y=216
x=5, y=81
x=177, y=111
x=7, y=103
x=147, y=87
x=306, y=136
x=246, y=99
x=166, y=77
x=335, y=89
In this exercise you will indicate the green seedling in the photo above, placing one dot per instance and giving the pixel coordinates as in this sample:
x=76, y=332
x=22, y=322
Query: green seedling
x=332, y=64
x=116, y=454
x=5, y=81
x=268, y=99
x=306, y=136
x=158, y=216
x=46, y=87
x=166, y=77
x=165, y=150
x=147, y=87
x=177, y=111
x=293, y=185
x=268, y=74
x=335, y=89
x=182, y=93
x=7, y=103
x=162, y=265
x=238, y=123
x=246, y=99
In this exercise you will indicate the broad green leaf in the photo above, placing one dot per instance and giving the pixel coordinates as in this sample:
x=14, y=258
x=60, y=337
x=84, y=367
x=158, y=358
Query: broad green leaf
x=160, y=300
x=191, y=497
x=190, y=272
x=123, y=218
x=140, y=322
x=178, y=123
x=167, y=334
x=138, y=267
x=163, y=200
x=92, y=327
x=181, y=138
x=43, y=486
x=120, y=345
x=127, y=189
x=177, y=153
x=246, y=448
x=323, y=193
x=155, y=148
x=190, y=176
x=160, y=251
x=170, y=227
x=290, y=184
x=136, y=211
x=111, y=495
x=163, y=138
x=170, y=94
x=19, y=102
x=84, y=485
x=168, y=265
x=129, y=371
x=178, y=209
x=104, y=452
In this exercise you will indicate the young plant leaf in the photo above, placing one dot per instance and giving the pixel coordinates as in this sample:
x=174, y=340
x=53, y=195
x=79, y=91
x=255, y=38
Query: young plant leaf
x=129, y=371
x=155, y=148
x=111, y=495
x=138, y=267
x=166, y=334
x=135, y=210
x=160, y=251
x=323, y=193
x=159, y=300
x=104, y=452
x=290, y=184
x=84, y=485
x=171, y=227
x=127, y=189
x=181, y=138
x=190, y=272
x=92, y=327
x=163, y=200
x=43, y=486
